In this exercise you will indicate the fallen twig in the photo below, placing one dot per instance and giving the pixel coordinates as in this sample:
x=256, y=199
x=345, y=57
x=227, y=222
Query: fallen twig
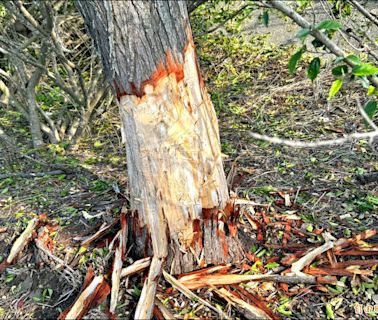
x=135, y=267
x=98, y=234
x=297, y=266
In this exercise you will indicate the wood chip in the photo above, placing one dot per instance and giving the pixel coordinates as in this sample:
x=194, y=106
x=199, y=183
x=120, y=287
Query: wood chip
x=146, y=304
x=136, y=267
x=22, y=240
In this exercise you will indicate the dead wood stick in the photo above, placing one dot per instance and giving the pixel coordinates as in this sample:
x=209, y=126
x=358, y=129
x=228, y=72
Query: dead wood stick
x=98, y=234
x=116, y=275
x=221, y=280
x=22, y=240
x=85, y=299
x=297, y=266
x=185, y=291
x=146, y=301
x=250, y=311
x=135, y=267
x=29, y=175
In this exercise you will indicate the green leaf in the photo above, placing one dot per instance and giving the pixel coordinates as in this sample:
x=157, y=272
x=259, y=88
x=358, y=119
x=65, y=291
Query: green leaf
x=340, y=70
x=272, y=265
x=265, y=18
x=294, y=60
x=372, y=199
x=283, y=309
x=313, y=69
x=370, y=108
x=364, y=69
x=328, y=25
x=353, y=59
x=329, y=311
x=336, y=86
x=303, y=33
x=371, y=90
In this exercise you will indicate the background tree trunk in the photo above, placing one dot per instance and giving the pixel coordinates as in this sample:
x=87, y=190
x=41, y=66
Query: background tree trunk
x=177, y=183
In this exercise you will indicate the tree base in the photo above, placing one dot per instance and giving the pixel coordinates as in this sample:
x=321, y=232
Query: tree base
x=215, y=242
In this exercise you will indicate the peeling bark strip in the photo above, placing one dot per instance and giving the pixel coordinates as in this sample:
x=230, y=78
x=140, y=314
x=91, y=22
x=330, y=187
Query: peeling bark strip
x=173, y=150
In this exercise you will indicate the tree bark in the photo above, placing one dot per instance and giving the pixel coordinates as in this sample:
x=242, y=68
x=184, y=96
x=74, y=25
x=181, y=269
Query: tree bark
x=176, y=179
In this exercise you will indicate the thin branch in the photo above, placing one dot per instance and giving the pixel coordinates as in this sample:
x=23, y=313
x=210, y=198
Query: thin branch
x=301, y=21
x=318, y=143
x=28, y=175
x=364, y=12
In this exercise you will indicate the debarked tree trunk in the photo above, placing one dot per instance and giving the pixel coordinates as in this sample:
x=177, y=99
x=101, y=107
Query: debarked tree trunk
x=177, y=184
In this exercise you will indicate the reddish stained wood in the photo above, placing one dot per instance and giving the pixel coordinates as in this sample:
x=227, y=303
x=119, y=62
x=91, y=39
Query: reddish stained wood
x=233, y=229
x=326, y=280
x=265, y=217
x=228, y=210
x=210, y=214
x=332, y=258
x=343, y=243
x=102, y=293
x=318, y=231
x=335, y=272
x=252, y=257
x=286, y=235
x=123, y=233
x=272, y=259
x=158, y=314
x=222, y=238
x=4, y=265
x=256, y=301
x=357, y=252
x=367, y=263
x=284, y=286
x=197, y=237
x=217, y=269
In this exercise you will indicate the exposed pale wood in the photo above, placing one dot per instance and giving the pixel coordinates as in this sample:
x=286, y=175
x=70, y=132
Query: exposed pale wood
x=22, y=240
x=136, y=267
x=175, y=167
x=145, y=304
x=297, y=266
x=116, y=275
x=185, y=291
x=252, y=311
x=85, y=298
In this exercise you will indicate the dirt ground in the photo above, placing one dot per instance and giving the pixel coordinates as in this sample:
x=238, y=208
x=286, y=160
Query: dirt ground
x=252, y=91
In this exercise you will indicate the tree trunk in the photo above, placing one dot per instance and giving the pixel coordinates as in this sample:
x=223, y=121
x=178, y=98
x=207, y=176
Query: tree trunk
x=177, y=184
